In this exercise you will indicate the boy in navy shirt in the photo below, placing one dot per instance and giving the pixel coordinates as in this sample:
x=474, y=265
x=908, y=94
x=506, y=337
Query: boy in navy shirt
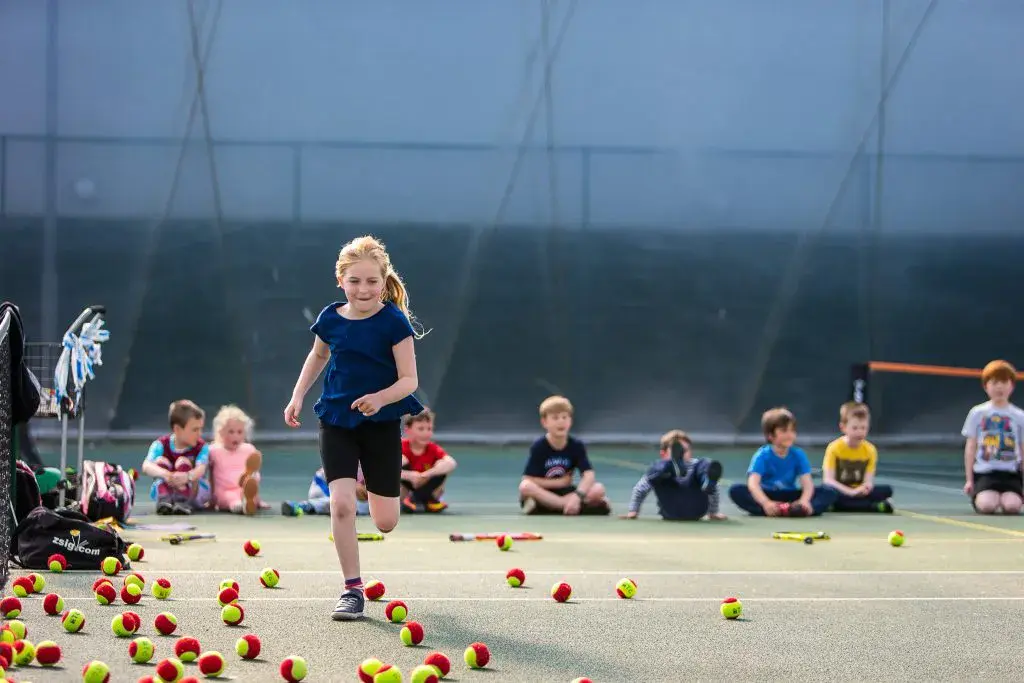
x=547, y=485
x=779, y=480
x=686, y=487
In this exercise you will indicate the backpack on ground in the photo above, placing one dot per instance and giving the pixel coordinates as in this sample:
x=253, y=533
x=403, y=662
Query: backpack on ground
x=106, y=491
x=68, y=532
x=26, y=491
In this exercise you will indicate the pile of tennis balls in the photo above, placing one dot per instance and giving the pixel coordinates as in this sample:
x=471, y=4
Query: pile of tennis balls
x=16, y=650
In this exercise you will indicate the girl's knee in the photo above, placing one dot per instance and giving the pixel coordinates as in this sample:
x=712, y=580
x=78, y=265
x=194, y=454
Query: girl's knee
x=385, y=523
x=1011, y=504
x=343, y=508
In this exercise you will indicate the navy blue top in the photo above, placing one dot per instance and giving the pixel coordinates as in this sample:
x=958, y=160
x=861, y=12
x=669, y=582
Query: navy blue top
x=549, y=463
x=362, y=362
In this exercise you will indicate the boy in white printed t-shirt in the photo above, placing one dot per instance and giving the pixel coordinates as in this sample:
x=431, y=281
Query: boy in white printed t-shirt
x=992, y=455
x=319, y=498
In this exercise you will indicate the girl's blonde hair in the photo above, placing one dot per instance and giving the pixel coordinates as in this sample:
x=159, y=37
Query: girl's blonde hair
x=369, y=247
x=228, y=414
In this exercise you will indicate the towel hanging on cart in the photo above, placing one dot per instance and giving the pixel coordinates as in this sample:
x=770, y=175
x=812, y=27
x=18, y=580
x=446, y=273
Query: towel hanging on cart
x=82, y=352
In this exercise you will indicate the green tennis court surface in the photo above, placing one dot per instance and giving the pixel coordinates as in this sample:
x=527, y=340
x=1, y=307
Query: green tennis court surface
x=852, y=607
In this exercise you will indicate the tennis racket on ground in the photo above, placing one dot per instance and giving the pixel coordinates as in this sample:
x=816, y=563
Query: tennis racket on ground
x=801, y=536
x=178, y=539
x=521, y=536
x=362, y=537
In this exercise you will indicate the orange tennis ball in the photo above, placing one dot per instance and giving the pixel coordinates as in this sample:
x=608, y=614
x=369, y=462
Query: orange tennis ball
x=561, y=592
x=477, y=655
x=439, y=661
x=53, y=604
x=187, y=649
x=504, y=542
x=374, y=590
x=515, y=577
x=111, y=566
x=251, y=548
x=396, y=611
x=165, y=623
x=412, y=634
x=161, y=589
x=22, y=587
x=136, y=578
x=99, y=582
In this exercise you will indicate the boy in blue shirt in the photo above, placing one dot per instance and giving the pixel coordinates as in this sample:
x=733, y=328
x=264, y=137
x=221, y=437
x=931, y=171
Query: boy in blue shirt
x=779, y=480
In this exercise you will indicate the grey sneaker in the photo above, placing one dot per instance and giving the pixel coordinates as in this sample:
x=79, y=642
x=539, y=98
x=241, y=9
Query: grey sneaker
x=164, y=507
x=182, y=509
x=350, y=605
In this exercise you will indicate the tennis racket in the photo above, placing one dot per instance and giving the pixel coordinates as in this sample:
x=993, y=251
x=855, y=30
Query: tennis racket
x=801, y=536
x=362, y=537
x=178, y=539
x=521, y=536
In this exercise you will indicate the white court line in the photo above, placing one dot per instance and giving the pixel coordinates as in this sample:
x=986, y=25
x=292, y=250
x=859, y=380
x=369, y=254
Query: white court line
x=446, y=598
x=582, y=572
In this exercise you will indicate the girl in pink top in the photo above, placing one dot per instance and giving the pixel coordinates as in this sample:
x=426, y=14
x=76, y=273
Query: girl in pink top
x=234, y=464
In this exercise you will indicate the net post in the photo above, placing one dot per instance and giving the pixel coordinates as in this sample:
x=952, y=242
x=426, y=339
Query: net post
x=859, y=382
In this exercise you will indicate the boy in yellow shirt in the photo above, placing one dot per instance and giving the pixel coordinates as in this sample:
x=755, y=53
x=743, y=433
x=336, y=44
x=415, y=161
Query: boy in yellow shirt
x=850, y=462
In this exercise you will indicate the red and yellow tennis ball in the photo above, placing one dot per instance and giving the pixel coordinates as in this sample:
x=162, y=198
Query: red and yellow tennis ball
x=10, y=607
x=270, y=577
x=625, y=589
x=582, y=679
x=187, y=649
x=161, y=589
x=57, y=563
x=374, y=590
x=48, y=653
x=111, y=566
x=24, y=652
x=125, y=624
x=165, y=623
x=136, y=552
x=53, y=604
x=561, y=592
x=141, y=650
x=232, y=614
x=248, y=646
x=22, y=587
x=516, y=577
x=411, y=634
x=38, y=582
x=388, y=673
x=424, y=674
x=229, y=583
x=504, y=542
x=131, y=593
x=6, y=654
x=99, y=582
x=896, y=538
x=106, y=594
x=95, y=672
x=477, y=655
x=368, y=668
x=439, y=661
x=731, y=608
x=227, y=596
x=212, y=664
x=17, y=629
x=396, y=611
x=73, y=620
x=293, y=669
x=136, y=578
x=251, y=547
x=170, y=670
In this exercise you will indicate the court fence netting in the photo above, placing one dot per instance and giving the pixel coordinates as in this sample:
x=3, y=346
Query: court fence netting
x=6, y=448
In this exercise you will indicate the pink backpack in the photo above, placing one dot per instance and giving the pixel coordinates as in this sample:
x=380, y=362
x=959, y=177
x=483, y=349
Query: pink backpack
x=106, y=491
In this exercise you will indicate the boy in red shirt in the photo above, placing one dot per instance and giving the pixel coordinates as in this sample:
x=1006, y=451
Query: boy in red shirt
x=425, y=465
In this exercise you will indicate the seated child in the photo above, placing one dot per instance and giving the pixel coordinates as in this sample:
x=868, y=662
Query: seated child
x=318, y=501
x=686, y=487
x=178, y=462
x=547, y=485
x=850, y=462
x=779, y=480
x=234, y=464
x=992, y=455
x=425, y=465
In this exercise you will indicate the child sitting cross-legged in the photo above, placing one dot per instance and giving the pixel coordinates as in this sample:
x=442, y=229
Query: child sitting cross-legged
x=235, y=464
x=850, y=463
x=178, y=461
x=425, y=465
x=686, y=487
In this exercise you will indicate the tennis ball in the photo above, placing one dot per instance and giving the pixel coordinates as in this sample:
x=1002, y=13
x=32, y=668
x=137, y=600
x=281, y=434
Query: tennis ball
x=212, y=664
x=187, y=649
x=251, y=547
x=227, y=596
x=22, y=587
x=170, y=670
x=389, y=673
x=111, y=566
x=136, y=552
x=374, y=590
x=122, y=629
x=161, y=589
x=412, y=634
x=439, y=661
x=477, y=655
x=7, y=636
x=232, y=614
x=896, y=539
x=582, y=680
x=99, y=582
x=24, y=652
x=229, y=583
x=561, y=592
x=57, y=563
x=424, y=674
x=396, y=611
x=95, y=672
x=38, y=582
x=131, y=593
x=141, y=650
x=10, y=607
x=53, y=604
x=248, y=646
x=106, y=594
x=626, y=588
x=165, y=623
x=731, y=608
x=136, y=578
x=269, y=577
x=73, y=620
x=504, y=542
x=48, y=653
x=515, y=577
x=294, y=669
x=368, y=669
x=17, y=629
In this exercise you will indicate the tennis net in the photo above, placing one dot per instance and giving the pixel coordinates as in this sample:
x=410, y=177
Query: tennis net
x=7, y=456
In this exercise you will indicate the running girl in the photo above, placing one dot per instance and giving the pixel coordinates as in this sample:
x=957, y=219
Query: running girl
x=367, y=346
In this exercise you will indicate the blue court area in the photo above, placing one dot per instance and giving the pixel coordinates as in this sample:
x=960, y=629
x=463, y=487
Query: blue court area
x=852, y=604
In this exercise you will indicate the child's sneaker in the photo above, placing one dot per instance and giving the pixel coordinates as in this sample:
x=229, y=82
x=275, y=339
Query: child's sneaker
x=409, y=505
x=885, y=506
x=529, y=506
x=436, y=505
x=291, y=508
x=250, y=491
x=349, y=606
x=711, y=477
x=181, y=509
x=164, y=507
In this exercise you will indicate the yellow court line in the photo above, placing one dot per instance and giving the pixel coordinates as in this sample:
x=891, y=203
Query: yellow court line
x=960, y=523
